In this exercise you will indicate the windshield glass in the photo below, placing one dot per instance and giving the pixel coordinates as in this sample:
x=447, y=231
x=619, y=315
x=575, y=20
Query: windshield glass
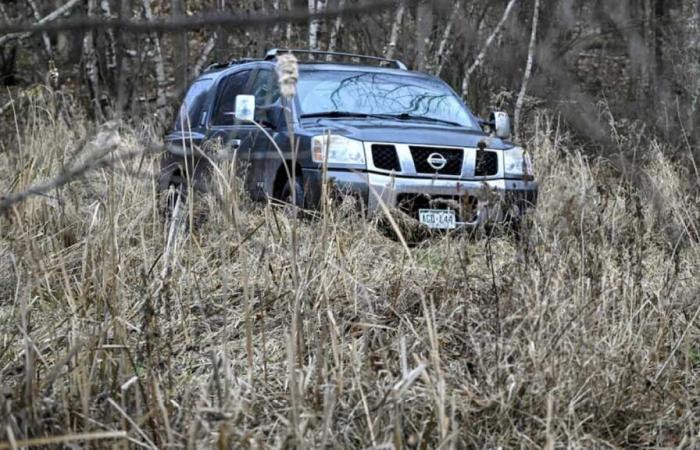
x=379, y=94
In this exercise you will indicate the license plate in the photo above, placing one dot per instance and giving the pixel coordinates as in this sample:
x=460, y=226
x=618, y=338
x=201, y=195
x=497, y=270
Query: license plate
x=443, y=219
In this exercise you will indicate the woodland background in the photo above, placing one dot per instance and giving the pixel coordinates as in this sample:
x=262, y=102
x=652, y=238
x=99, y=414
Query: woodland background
x=639, y=60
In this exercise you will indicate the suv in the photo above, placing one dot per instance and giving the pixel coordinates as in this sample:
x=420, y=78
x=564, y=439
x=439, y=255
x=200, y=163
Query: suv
x=387, y=135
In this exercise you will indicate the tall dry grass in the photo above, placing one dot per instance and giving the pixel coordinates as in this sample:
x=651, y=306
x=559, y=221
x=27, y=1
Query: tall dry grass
x=584, y=333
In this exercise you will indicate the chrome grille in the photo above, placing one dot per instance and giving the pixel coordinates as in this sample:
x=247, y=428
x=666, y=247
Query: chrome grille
x=486, y=163
x=385, y=157
x=454, y=158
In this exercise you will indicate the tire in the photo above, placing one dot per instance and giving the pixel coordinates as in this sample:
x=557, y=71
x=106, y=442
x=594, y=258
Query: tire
x=286, y=193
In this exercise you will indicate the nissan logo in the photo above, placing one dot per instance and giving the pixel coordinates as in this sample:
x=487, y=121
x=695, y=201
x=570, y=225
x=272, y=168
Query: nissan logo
x=437, y=161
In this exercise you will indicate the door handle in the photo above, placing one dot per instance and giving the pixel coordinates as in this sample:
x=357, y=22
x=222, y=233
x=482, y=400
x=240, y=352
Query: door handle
x=235, y=144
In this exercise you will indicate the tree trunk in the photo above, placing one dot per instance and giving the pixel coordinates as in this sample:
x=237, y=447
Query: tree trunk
x=424, y=26
x=528, y=70
x=482, y=54
x=91, y=68
x=161, y=101
x=44, y=37
x=445, y=46
x=337, y=24
x=390, y=50
x=315, y=6
x=290, y=30
x=181, y=50
x=123, y=84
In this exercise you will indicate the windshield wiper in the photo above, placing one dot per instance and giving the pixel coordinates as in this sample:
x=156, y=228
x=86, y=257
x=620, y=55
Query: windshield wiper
x=406, y=116
x=340, y=114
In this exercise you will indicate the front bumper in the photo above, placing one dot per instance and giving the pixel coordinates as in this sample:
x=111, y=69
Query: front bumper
x=477, y=202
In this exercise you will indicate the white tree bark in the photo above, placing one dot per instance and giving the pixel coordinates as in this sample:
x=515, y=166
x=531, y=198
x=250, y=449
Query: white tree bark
x=161, y=83
x=337, y=24
x=290, y=30
x=424, y=25
x=390, y=50
x=445, y=46
x=528, y=70
x=204, y=56
x=315, y=6
x=482, y=54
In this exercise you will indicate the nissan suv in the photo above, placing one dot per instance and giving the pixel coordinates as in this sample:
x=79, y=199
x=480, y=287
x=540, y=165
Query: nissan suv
x=393, y=138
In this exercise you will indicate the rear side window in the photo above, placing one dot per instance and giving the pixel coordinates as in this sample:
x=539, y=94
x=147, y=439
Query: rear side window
x=232, y=86
x=192, y=111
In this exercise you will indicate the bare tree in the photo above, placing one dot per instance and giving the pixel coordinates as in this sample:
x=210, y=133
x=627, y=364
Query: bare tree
x=315, y=7
x=161, y=84
x=482, y=54
x=337, y=24
x=390, y=50
x=445, y=46
x=90, y=64
x=424, y=25
x=528, y=70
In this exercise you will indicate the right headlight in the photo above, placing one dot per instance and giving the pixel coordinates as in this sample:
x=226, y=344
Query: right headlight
x=517, y=164
x=338, y=149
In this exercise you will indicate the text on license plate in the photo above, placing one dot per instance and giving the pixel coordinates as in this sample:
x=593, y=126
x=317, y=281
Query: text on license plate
x=438, y=218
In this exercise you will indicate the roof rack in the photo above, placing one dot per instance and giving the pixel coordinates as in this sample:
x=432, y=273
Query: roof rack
x=233, y=62
x=272, y=54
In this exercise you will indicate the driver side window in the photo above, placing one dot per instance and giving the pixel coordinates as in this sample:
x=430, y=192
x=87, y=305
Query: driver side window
x=232, y=86
x=266, y=89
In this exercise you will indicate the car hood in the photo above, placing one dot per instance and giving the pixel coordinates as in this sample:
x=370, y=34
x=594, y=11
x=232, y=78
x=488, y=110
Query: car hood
x=404, y=132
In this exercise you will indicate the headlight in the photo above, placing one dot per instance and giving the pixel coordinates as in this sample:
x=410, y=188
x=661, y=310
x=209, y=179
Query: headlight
x=517, y=164
x=341, y=150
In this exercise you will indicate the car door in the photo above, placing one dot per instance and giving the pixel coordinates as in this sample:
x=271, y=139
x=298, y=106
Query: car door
x=264, y=154
x=235, y=136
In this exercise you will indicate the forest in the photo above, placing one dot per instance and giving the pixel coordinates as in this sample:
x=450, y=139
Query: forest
x=259, y=329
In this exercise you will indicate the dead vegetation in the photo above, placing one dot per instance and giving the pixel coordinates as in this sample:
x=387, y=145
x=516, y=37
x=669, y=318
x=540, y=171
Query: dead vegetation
x=261, y=331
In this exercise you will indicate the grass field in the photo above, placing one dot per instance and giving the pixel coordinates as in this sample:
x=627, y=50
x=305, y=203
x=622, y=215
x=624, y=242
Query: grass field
x=261, y=331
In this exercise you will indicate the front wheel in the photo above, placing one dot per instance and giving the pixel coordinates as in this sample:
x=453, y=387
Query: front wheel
x=293, y=197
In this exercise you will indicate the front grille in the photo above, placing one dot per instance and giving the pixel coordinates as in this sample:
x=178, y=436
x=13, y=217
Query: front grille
x=453, y=156
x=385, y=157
x=464, y=206
x=486, y=163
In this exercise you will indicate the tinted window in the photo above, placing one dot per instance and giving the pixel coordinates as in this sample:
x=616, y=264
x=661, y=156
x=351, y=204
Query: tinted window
x=193, y=106
x=266, y=89
x=380, y=93
x=232, y=86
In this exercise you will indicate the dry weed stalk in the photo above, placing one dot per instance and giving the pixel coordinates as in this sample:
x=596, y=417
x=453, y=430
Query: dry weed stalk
x=582, y=334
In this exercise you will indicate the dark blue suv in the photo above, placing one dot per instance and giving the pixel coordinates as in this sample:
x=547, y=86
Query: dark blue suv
x=387, y=135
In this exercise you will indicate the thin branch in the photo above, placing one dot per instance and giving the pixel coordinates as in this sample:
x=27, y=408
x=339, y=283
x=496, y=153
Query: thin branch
x=21, y=33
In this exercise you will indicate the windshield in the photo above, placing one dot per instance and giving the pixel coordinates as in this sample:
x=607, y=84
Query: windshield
x=369, y=93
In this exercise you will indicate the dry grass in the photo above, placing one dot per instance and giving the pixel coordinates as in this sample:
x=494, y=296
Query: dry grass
x=264, y=332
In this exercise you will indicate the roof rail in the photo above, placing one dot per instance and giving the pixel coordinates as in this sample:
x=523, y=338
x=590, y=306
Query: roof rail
x=233, y=62
x=272, y=54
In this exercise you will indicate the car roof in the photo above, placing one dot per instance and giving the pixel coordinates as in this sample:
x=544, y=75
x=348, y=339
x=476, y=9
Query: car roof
x=304, y=66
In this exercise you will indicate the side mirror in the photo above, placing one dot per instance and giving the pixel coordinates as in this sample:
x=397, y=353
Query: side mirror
x=501, y=124
x=245, y=107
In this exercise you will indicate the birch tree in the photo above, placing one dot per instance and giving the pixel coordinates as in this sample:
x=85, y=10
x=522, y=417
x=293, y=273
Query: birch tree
x=159, y=69
x=482, y=54
x=390, y=49
x=528, y=70
x=90, y=64
x=315, y=6
x=337, y=24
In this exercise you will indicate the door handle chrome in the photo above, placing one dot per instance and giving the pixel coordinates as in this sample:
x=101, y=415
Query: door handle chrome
x=235, y=144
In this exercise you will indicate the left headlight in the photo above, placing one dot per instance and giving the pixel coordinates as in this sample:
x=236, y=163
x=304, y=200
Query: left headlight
x=517, y=164
x=341, y=150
